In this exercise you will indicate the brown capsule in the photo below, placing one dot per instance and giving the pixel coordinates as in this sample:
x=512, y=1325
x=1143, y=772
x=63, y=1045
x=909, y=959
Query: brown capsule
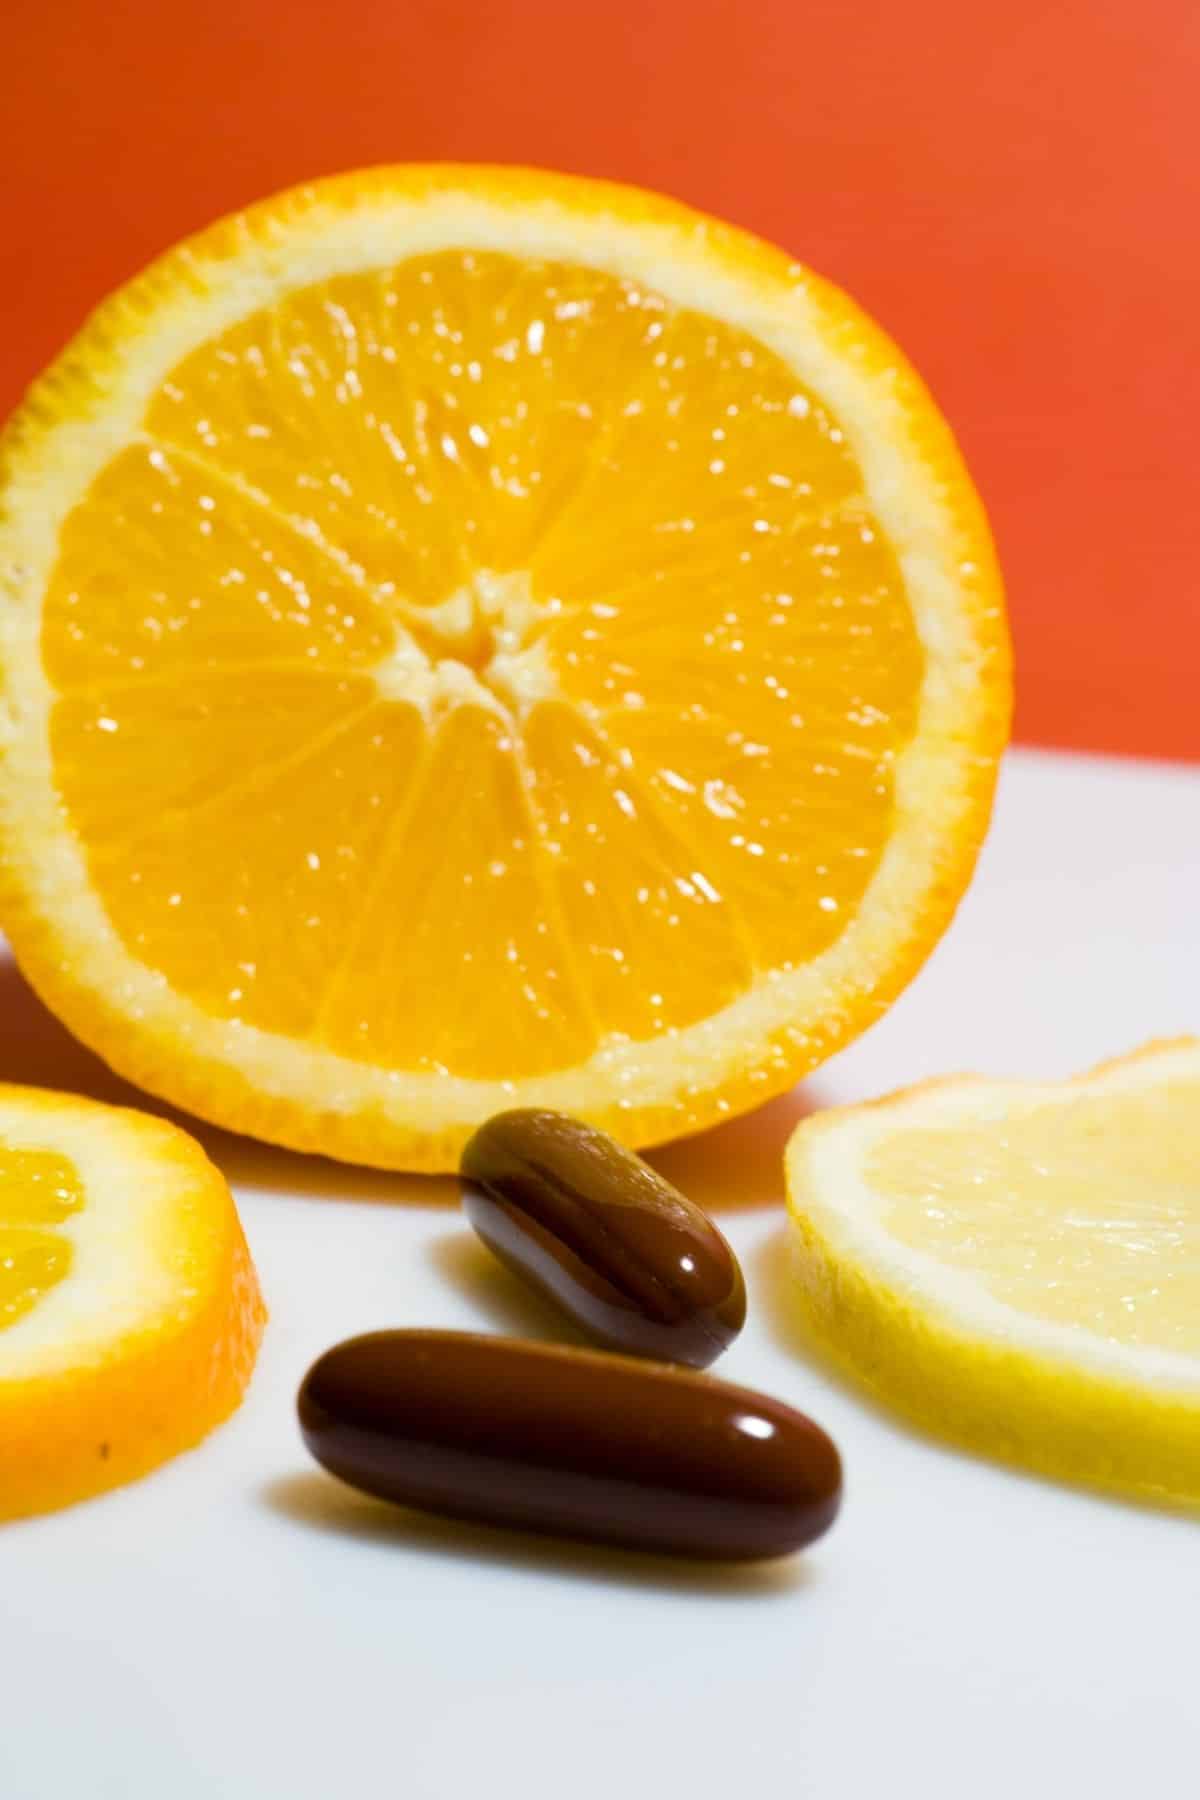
x=577, y=1443
x=599, y=1231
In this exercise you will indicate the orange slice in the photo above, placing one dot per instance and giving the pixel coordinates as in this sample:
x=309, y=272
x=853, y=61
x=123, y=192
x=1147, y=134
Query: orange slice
x=130, y=1314
x=474, y=639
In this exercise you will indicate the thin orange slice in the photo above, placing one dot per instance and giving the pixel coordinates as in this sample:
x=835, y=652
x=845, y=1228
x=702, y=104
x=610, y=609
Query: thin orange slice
x=477, y=638
x=130, y=1314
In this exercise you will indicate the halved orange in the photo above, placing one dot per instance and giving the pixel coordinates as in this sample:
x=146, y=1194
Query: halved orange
x=130, y=1315
x=476, y=638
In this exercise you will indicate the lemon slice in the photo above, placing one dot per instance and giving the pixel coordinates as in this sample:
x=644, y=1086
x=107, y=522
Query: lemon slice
x=476, y=639
x=130, y=1314
x=1017, y=1266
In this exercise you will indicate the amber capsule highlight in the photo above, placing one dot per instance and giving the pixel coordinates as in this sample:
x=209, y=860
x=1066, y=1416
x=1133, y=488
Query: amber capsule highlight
x=627, y=1256
x=575, y=1443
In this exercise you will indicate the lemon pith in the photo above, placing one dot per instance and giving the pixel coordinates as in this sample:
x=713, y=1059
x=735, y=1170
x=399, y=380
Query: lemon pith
x=581, y=655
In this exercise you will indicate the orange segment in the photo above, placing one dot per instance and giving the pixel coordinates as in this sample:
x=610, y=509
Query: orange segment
x=658, y=945
x=38, y=1190
x=713, y=454
x=427, y=417
x=217, y=579
x=792, y=839
x=211, y=894
x=129, y=1311
x=506, y=633
x=458, y=963
x=228, y=733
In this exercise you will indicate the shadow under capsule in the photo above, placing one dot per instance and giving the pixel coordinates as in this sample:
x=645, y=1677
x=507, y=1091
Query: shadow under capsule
x=318, y=1502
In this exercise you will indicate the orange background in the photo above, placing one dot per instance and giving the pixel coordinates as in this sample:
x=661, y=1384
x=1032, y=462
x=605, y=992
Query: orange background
x=1011, y=186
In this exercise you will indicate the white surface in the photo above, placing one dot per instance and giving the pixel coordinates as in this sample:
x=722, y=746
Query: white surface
x=238, y=1627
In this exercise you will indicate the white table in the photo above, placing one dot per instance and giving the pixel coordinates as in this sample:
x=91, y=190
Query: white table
x=239, y=1627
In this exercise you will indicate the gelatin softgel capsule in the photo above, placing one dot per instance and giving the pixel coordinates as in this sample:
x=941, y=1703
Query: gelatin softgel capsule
x=599, y=1231
x=576, y=1443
